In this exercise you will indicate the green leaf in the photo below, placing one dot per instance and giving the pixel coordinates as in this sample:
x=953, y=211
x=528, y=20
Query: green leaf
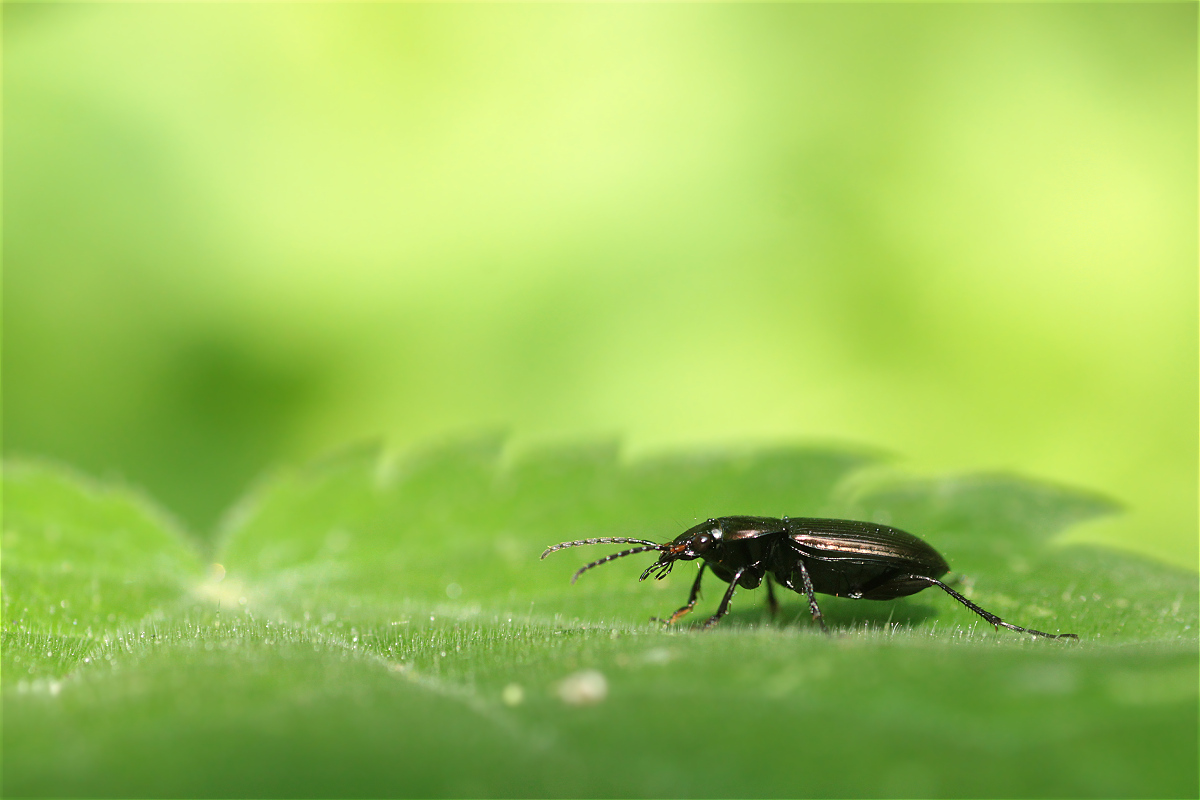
x=375, y=625
x=79, y=555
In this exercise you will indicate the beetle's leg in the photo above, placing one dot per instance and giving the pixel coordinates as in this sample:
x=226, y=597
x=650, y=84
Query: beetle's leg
x=992, y=618
x=772, y=603
x=812, y=597
x=691, y=603
x=723, y=609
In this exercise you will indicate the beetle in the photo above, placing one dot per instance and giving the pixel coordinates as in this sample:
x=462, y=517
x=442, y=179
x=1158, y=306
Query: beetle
x=842, y=557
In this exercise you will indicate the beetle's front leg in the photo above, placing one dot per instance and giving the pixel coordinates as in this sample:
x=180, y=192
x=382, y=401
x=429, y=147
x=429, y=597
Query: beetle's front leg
x=691, y=603
x=723, y=609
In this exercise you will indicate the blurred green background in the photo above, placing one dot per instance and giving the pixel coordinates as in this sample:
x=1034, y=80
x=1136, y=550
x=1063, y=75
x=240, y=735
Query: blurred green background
x=240, y=235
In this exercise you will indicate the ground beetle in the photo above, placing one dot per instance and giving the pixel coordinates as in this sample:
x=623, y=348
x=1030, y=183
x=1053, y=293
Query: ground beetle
x=809, y=556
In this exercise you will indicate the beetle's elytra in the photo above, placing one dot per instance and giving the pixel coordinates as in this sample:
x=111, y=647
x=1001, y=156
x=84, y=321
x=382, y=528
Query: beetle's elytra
x=809, y=556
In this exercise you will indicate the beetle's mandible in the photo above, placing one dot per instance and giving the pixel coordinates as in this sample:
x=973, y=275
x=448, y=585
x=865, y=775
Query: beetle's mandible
x=809, y=556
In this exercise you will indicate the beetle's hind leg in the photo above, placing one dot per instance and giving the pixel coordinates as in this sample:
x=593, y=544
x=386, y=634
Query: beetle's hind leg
x=987, y=615
x=691, y=603
x=772, y=603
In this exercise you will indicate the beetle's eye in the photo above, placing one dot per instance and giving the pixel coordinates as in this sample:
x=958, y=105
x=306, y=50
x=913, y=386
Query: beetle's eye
x=702, y=542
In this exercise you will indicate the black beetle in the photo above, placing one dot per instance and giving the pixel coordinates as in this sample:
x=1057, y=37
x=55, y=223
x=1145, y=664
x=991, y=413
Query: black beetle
x=828, y=556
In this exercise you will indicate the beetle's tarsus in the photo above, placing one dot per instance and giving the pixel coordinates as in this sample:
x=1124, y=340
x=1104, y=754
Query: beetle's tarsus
x=669, y=621
x=1031, y=631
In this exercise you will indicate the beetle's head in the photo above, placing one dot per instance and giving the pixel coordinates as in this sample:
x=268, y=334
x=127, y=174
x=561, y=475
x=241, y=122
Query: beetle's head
x=691, y=544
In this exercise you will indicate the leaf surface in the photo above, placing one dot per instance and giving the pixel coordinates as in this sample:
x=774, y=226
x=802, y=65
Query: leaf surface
x=383, y=626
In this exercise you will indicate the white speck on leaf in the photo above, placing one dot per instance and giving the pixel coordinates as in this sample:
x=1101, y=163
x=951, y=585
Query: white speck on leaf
x=513, y=695
x=658, y=655
x=584, y=688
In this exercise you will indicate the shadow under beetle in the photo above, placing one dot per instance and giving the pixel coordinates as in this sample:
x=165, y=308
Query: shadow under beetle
x=842, y=557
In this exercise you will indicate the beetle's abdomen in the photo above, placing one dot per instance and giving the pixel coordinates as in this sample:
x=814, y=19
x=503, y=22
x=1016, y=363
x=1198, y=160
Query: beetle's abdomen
x=863, y=559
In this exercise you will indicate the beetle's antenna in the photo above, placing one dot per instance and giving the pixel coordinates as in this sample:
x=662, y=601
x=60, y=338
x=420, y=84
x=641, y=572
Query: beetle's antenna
x=606, y=559
x=605, y=540
x=992, y=618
